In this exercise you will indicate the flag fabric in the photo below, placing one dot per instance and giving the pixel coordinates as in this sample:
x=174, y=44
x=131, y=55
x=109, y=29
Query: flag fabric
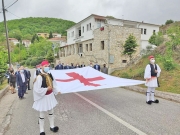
x=87, y=78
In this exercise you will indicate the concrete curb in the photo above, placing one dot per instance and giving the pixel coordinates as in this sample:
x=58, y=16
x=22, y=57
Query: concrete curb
x=4, y=91
x=165, y=95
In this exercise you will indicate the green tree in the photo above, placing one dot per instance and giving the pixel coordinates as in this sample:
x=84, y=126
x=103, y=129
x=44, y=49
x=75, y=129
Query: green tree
x=130, y=46
x=27, y=37
x=156, y=39
x=2, y=38
x=50, y=35
x=50, y=57
x=34, y=38
x=3, y=61
x=15, y=34
x=169, y=22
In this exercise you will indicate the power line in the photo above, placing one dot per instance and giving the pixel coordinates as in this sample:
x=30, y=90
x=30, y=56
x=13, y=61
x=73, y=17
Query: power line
x=8, y=4
x=11, y=4
x=13, y=14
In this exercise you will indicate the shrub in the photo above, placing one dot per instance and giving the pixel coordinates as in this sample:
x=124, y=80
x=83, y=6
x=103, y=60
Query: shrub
x=168, y=64
x=28, y=62
x=125, y=75
x=22, y=62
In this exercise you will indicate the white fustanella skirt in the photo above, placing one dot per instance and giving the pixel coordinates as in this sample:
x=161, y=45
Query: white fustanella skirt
x=153, y=82
x=46, y=103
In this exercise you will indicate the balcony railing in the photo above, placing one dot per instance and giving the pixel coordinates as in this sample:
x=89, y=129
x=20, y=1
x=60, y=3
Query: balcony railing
x=77, y=37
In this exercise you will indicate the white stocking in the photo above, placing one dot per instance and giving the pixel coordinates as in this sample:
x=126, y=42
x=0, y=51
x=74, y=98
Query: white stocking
x=51, y=118
x=41, y=122
x=148, y=94
x=152, y=93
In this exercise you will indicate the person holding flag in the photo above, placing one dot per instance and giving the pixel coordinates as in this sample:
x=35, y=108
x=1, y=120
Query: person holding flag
x=44, y=92
x=152, y=72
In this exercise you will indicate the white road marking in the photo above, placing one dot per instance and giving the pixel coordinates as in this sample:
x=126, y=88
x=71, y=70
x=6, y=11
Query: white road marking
x=113, y=116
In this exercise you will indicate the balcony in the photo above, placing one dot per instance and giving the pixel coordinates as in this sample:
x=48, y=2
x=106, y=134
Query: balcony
x=78, y=38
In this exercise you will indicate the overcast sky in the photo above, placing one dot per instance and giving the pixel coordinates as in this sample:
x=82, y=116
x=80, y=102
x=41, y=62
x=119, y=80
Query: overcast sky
x=149, y=11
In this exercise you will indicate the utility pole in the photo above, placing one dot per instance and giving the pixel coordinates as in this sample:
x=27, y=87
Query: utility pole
x=7, y=38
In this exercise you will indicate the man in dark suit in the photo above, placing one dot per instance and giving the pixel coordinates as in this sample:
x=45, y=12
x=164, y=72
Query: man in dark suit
x=26, y=74
x=59, y=66
x=97, y=67
x=21, y=80
x=83, y=65
x=67, y=67
x=28, y=77
x=72, y=65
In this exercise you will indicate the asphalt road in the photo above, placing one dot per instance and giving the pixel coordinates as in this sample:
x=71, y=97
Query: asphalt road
x=115, y=111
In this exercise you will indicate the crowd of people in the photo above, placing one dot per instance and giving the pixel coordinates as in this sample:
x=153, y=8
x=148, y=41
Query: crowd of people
x=19, y=80
x=62, y=66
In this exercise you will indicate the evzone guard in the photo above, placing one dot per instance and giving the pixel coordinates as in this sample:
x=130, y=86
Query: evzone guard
x=44, y=92
x=152, y=72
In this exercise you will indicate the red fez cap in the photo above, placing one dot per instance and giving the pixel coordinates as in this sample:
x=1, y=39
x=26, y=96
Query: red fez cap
x=150, y=57
x=45, y=62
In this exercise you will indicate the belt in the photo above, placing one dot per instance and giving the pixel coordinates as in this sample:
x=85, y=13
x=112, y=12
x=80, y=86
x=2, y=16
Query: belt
x=48, y=92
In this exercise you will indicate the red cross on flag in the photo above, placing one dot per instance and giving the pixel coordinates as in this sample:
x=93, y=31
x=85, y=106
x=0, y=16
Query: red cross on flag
x=87, y=78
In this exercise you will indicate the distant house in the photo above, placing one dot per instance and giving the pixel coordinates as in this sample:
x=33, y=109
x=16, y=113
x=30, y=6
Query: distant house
x=56, y=35
x=14, y=41
x=46, y=35
x=26, y=43
x=58, y=40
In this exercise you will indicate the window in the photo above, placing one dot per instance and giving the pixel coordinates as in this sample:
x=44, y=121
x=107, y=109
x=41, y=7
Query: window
x=98, y=24
x=90, y=26
x=141, y=30
x=145, y=31
x=87, y=27
x=72, y=34
x=124, y=61
x=154, y=31
x=102, y=45
x=90, y=47
x=86, y=47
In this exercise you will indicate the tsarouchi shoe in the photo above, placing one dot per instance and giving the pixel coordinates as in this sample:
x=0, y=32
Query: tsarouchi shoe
x=55, y=129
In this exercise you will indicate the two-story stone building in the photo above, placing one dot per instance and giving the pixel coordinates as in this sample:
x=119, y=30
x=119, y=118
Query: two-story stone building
x=101, y=39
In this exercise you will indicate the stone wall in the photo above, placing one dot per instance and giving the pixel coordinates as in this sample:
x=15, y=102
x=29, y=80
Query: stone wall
x=113, y=35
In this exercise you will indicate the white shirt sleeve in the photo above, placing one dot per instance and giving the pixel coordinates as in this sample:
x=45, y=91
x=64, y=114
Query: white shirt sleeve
x=38, y=92
x=159, y=70
x=55, y=88
x=147, y=73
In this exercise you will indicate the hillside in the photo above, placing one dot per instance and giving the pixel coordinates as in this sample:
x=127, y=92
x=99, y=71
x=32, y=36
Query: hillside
x=167, y=56
x=34, y=25
x=169, y=80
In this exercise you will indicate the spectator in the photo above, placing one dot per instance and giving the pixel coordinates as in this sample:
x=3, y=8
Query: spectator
x=28, y=77
x=59, y=66
x=91, y=65
x=12, y=80
x=67, y=67
x=83, y=65
x=104, y=69
x=97, y=67
x=21, y=80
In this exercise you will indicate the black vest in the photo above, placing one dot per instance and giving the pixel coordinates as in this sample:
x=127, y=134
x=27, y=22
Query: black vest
x=153, y=69
x=44, y=85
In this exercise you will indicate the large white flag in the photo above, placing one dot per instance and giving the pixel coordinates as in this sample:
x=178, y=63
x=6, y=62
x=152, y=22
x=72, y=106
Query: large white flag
x=87, y=78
